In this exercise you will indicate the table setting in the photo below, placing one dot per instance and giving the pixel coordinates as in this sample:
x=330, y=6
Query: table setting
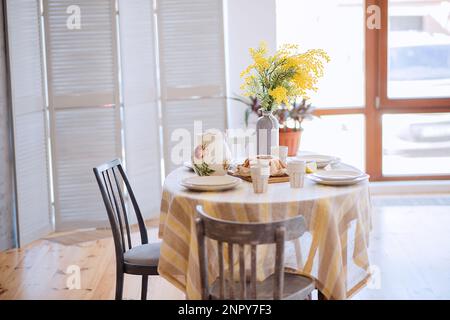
x=274, y=181
x=321, y=169
x=330, y=194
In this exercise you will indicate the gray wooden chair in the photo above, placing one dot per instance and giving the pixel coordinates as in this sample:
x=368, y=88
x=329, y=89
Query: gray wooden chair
x=138, y=260
x=280, y=285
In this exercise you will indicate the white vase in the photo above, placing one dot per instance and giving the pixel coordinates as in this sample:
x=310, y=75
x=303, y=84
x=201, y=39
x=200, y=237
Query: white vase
x=267, y=133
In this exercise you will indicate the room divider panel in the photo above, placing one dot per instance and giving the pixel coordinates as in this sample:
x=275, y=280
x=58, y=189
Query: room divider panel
x=98, y=61
x=83, y=91
x=29, y=121
x=192, y=67
x=140, y=103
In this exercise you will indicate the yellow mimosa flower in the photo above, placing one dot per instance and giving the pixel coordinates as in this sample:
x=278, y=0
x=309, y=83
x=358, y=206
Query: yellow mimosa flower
x=261, y=63
x=279, y=94
x=283, y=76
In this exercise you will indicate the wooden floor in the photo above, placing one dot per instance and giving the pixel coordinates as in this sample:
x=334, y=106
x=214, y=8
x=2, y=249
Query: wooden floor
x=409, y=249
x=42, y=269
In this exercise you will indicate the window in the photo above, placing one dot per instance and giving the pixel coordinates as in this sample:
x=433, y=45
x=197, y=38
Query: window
x=414, y=90
x=418, y=49
x=416, y=144
x=306, y=23
x=341, y=96
x=344, y=137
x=386, y=91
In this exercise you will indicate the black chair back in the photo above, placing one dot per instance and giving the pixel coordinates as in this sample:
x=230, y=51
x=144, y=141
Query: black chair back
x=114, y=187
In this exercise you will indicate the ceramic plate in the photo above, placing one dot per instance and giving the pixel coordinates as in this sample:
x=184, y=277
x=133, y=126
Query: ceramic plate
x=337, y=182
x=338, y=175
x=211, y=183
x=320, y=159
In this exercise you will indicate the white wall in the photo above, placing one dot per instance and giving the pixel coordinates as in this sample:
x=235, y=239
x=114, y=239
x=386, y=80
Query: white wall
x=247, y=22
x=6, y=220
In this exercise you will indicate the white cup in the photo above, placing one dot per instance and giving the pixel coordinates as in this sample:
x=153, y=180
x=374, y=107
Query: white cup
x=296, y=172
x=261, y=160
x=260, y=178
x=281, y=152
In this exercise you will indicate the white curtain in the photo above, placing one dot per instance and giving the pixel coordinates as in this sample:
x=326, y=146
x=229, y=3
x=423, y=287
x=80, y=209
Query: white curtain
x=29, y=121
x=192, y=68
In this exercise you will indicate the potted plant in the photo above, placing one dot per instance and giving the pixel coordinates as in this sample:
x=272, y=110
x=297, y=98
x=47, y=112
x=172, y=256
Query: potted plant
x=279, y=80
x=290, y=117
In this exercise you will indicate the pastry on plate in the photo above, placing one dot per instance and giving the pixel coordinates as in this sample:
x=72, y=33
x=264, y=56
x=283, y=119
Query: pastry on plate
x=277, y=167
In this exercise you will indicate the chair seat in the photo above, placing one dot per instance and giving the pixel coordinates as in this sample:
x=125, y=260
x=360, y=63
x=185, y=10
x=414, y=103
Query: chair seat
x=296, y=287
x=143, y=255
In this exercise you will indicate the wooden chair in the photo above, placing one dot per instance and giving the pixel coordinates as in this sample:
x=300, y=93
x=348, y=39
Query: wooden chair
x=138, y=260
x=280, y=285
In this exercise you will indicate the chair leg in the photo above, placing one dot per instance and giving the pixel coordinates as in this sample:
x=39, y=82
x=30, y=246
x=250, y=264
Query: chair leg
x=144, y=287
x=298, y=254
x=320, y=295
x=119, y=284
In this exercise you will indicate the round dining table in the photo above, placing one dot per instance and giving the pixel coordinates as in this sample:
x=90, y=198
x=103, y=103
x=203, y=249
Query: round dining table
x=334, y=250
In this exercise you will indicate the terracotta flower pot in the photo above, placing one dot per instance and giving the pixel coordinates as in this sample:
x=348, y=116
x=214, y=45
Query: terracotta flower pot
x=290, y=139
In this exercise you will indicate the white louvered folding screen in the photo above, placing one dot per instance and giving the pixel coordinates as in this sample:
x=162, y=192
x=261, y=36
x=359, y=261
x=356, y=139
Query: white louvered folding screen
x=192, y=67
x=6, y=216
x=84, y=108
x=30, y=135
x=141, y=120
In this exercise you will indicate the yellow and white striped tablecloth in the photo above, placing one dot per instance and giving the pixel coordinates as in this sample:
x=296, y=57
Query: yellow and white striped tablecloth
x=335, y=247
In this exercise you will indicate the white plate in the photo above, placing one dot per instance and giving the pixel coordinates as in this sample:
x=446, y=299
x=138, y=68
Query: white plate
x=211, y=183
x=338, y=175
x=337, y=182
x=211, y=180
x=321, y=159
x=210, y=188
